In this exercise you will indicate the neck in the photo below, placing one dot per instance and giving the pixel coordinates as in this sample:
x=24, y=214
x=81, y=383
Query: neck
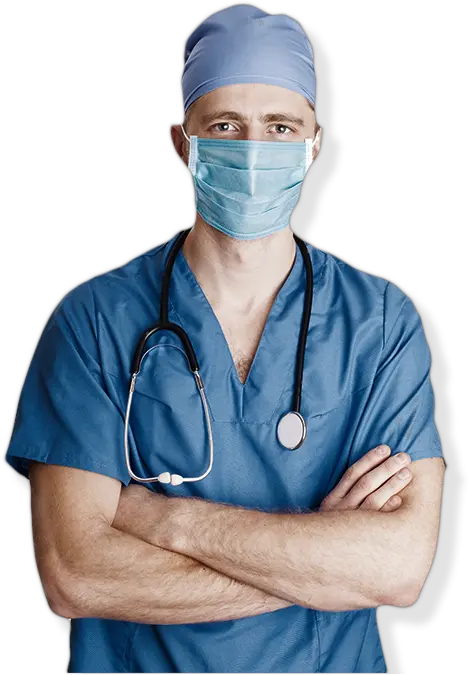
x=241, y=275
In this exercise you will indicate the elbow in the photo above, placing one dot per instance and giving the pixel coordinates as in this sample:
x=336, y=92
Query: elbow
x=62, y=591
x=73, y=597
x=409, y=574
x=406, y=595
x=65, y=600
x=411, y=593
x=60, y=606
x=414, y=585
x=70, y=590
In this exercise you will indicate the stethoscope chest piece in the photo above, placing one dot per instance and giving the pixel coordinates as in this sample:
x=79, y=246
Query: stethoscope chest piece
x=291, y=430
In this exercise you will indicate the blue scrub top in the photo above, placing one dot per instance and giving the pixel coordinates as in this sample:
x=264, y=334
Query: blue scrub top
x=366, y=381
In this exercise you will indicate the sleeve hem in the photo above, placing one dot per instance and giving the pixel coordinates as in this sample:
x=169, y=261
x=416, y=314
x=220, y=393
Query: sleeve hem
x=19, y=460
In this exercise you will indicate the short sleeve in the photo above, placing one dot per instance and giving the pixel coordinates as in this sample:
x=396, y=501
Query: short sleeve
x=65, y=415
x=400, y=408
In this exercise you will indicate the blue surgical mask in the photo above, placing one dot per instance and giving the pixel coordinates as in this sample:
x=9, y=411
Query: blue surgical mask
x=247, y=189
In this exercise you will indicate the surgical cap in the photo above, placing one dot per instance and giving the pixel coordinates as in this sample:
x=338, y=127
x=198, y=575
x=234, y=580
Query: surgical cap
x=242, y=44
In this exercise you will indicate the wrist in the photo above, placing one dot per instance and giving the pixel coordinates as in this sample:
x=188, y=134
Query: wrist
x=184, y=515
x=163, y=521
x=135, y=512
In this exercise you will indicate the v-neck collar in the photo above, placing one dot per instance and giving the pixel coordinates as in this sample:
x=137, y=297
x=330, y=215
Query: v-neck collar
x=273, y=366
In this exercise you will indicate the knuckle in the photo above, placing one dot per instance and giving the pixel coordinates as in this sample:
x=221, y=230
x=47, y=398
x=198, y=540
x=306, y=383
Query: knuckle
x=369, y=503
x=325, y=503
x=401, y=459
x=364, y=483
x=401, y=476
x=328, y=507
x=393, y=464
x=350, y=473
x=344, y=506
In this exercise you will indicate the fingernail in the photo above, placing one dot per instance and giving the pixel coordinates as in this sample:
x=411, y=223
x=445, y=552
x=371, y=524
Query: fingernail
x=404, y=473
x=394, y=501
x=402, y=457
x=383, y=449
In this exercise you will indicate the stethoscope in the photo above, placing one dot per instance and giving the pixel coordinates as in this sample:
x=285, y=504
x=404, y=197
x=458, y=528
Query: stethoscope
x=291, y=428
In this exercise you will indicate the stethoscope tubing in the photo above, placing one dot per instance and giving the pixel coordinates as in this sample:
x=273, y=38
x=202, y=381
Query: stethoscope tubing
x=165, y=324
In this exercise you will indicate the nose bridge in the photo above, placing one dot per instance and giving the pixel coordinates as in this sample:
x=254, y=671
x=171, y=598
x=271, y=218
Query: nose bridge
x=253, y=129
x=252, y=125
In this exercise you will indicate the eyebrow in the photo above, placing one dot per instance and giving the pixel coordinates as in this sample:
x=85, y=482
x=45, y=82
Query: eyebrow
x=264, y=119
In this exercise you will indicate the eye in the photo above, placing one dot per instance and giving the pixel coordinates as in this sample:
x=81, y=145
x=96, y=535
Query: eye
x=218, y=125
x=283, y=130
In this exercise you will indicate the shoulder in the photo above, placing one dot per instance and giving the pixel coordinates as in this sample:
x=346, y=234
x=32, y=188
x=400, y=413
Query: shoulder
x=342, y=286
x=333, y=270
x=344, y=291
x=113, y=291
x=341, y=280
x=366, y=284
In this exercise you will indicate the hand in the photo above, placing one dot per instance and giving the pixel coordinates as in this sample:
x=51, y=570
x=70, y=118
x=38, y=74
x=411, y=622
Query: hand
x=373, y=483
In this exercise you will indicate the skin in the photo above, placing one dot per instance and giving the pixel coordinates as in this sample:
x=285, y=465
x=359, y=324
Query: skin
x=242, y=277
x=86, y=528
x=83, y=546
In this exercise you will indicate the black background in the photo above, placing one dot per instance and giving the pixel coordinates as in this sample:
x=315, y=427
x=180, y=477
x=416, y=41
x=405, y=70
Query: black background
x=95, y=182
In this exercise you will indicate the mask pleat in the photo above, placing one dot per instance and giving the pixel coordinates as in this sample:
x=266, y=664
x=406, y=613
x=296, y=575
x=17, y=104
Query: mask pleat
x=248, y=188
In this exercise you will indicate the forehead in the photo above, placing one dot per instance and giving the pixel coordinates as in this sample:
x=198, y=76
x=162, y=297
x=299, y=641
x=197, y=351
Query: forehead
x=251, y=99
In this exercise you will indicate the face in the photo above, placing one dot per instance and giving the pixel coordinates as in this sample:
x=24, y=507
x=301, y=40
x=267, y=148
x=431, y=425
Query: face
x=250, y=111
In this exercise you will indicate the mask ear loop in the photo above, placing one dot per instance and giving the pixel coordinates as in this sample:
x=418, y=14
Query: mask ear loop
x=309, y=143
x=308, y=152
x=192, y=150
x=184, y=132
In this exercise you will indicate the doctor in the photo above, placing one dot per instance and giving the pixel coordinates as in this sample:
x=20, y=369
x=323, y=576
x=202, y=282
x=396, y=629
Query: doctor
x=275, y=559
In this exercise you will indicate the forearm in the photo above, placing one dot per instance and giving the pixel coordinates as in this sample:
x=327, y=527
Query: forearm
x=121, y=577
x=331, y=561
x=160, y=586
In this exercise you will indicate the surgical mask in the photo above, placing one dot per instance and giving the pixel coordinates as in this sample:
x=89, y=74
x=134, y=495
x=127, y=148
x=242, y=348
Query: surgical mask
x=247, y=189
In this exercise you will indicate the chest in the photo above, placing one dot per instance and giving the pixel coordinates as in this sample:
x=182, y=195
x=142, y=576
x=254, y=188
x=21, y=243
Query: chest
x=242, y=331
x=248, y=366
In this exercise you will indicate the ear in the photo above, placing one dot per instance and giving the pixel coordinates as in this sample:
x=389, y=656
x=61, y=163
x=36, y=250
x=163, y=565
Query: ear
x=180, y=143
x=317, y=143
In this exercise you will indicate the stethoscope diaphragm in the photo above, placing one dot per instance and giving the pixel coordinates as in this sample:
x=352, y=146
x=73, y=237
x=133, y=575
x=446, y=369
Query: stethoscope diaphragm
x=291, y=430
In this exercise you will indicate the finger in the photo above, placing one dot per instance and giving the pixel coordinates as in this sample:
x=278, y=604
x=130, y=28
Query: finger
x=377, y=499
x=393, y=503
x=372, y=480
x=350, y=477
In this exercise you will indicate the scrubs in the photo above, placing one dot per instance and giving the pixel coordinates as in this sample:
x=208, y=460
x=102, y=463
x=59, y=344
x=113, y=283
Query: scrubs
x=366, y=381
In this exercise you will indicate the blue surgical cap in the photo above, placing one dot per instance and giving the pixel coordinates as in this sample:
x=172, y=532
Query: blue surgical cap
x=244, y=44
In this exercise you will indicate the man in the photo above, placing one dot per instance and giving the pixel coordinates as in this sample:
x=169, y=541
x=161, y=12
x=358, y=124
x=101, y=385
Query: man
x=276, y=559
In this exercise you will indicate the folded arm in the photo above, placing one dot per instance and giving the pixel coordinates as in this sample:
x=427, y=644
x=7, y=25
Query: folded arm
x=112, y=553
x=327, y=560
x=333, y=561
x=350, y=559
x=89, y=568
